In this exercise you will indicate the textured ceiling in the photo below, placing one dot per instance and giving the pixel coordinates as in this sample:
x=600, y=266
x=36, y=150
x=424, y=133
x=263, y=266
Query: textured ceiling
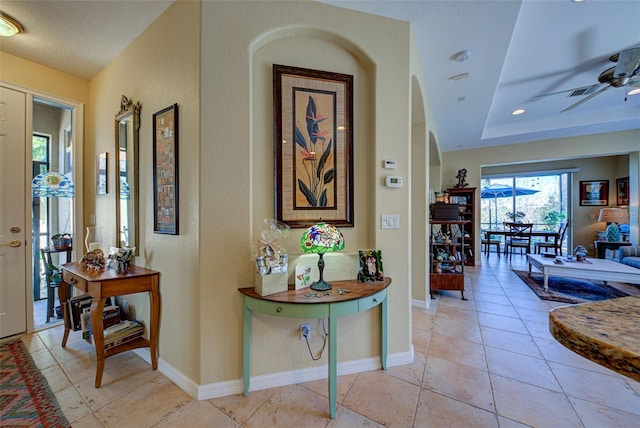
x=519, y=49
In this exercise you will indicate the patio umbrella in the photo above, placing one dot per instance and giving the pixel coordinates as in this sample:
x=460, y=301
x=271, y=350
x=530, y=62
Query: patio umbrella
x=496, y=191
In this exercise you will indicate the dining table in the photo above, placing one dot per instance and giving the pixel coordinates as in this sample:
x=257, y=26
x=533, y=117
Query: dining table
x=546, y=234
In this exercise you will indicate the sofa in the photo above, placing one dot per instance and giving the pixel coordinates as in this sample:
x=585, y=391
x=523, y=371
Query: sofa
x=630, y=255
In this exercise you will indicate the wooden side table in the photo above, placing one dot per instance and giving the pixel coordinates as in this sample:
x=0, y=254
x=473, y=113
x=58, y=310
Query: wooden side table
x=107, y=283
x=603, y=246
x=297, y=304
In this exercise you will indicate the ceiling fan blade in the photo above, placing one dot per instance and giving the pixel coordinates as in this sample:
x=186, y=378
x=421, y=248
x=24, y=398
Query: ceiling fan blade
x=628, y=62
x=584, y=90
x=585, y=99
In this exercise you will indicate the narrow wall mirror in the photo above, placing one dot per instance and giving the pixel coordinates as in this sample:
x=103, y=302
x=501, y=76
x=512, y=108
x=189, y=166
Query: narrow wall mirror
x=127, y=125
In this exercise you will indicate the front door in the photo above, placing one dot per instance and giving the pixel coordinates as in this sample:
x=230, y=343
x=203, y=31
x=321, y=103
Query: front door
x=13, y=245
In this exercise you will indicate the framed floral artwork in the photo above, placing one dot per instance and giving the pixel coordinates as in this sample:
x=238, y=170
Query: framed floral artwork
x=313, y=146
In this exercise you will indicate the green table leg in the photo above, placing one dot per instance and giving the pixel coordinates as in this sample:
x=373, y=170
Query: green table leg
x=333, y=364
x=246, y=349
x=383, y=332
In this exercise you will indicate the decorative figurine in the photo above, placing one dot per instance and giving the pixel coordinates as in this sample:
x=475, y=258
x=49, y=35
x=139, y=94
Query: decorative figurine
x=462, y=175
x=93, y=260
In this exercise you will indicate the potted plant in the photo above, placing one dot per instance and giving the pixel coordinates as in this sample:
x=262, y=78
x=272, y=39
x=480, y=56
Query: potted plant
x=61, y=241
x=516, y=217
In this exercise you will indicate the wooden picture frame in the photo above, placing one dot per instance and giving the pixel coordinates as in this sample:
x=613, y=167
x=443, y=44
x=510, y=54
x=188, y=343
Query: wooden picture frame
x=594, y=193
x=165, y=171
x=102, y=173
x=622, y=191
x=313, y=146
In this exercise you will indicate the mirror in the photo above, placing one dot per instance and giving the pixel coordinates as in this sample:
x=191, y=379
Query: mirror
x=126, y=134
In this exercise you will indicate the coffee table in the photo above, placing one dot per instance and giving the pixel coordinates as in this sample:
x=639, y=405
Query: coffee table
x=603, y=270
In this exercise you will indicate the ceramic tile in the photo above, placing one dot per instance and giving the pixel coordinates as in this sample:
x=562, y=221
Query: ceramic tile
x=420, y=340
x=552, y=350
x=457, y=350
x=383, y=399
x=598, y=416
x=435, y=410
x=532, y=405
x=534, y=371
x=196, y=414
x=291, y=406
x=412, y=373
x=240, y=408
x=455, y=329
x=460, y=382
x=500, y=322
x=610, y=391
x=321, y=387
x=506, y=340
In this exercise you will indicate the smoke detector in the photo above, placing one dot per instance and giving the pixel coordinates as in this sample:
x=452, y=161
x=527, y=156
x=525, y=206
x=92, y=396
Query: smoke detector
x=462, y=56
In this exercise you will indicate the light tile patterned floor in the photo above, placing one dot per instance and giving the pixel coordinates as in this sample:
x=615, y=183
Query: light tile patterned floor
x=486, y=362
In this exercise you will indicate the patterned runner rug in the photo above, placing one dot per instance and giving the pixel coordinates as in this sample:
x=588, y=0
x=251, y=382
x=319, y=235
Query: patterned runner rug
x=26, y=399
x=569, y=290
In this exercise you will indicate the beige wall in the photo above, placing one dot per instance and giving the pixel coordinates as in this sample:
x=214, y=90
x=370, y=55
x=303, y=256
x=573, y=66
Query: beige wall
x=237, y=152
x=159, y=68
x=556, y=154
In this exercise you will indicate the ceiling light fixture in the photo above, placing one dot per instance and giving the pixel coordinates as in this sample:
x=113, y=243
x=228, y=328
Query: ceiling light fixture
x=9, y=26
x=634, y=91
x=518, y=112
x=462, y=56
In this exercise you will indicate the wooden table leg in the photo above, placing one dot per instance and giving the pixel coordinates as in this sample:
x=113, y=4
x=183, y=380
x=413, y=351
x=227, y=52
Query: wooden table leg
x=154, y=300
x=97, y=327
x=63, y=295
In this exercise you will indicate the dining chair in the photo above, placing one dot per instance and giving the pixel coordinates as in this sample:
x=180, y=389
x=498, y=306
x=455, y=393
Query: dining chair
x=519, y=237
x=52, y=278
x=557, y=243
x=488, y=241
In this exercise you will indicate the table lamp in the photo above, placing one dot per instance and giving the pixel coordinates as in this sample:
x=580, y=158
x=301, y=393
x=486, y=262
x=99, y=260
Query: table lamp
x=321, y=238
x=613, y=216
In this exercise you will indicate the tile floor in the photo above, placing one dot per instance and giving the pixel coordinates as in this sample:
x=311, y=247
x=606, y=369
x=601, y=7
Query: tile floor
x=486, y=362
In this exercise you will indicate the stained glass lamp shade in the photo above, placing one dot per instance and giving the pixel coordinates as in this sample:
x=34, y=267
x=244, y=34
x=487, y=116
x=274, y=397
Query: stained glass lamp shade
x=52, y=185
x=321, y=238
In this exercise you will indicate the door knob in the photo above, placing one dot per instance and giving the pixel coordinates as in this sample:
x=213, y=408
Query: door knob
x=15, y=229
x=14, y=243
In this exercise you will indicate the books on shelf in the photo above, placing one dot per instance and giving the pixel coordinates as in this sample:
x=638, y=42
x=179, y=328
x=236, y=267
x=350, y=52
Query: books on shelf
x=123, y=332
x=110, y=317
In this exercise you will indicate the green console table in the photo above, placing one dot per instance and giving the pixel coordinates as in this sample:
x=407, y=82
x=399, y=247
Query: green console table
x=362, y=296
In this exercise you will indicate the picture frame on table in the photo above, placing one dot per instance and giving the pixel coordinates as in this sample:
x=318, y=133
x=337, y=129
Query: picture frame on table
x=594, y=193
x=370, y=265
x=622, y=191
x=102, y=165
x=313, y=146
x=165, y=171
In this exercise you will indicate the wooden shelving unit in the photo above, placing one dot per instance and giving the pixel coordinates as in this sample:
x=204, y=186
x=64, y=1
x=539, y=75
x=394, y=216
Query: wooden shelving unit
x=465, y=198
x=447, y=239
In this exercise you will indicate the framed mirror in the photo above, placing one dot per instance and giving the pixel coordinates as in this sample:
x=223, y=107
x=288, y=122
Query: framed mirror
x=127, y=126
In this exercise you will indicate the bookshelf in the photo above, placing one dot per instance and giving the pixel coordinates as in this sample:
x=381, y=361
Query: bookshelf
x=465, y=198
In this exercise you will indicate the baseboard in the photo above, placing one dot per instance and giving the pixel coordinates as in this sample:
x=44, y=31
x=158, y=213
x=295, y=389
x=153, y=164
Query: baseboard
x=290, y=377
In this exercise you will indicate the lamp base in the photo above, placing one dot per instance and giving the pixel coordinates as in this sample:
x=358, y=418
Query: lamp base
x=613, y=233
x=321, y=285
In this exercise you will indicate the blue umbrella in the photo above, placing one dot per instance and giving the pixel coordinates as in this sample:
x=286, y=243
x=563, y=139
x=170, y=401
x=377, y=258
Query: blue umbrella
x=496, y=191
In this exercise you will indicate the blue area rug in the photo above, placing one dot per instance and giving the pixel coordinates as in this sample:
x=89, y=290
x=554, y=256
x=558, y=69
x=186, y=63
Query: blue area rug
x=569, y=290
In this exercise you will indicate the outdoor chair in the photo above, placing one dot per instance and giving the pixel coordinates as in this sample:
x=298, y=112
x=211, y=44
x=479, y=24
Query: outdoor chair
x=519, y=237
x=557, y=244
x=487, y=242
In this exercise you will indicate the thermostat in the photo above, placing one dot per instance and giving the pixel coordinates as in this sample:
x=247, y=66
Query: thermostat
x=393, y=181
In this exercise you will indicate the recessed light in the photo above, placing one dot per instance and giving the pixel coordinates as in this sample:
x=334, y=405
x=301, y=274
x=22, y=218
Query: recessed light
x=9, y=26
x=634, y=91
x=459, y=76
x=518, y=112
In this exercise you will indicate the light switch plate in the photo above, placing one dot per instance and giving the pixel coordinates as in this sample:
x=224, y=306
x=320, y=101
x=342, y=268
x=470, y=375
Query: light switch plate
x=390, y=221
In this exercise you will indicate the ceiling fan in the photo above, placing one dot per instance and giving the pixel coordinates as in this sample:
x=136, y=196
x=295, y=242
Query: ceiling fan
x=625, y=73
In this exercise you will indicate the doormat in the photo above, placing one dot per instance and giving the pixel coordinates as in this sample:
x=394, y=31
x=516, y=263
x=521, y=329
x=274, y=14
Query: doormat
x=569, y=290
x=26, y=399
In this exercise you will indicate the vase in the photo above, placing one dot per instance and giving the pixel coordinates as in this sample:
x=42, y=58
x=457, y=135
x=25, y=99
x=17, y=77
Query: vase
x=93, y=238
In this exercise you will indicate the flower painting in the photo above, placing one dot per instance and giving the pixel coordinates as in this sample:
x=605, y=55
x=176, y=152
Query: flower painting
x=313, y=146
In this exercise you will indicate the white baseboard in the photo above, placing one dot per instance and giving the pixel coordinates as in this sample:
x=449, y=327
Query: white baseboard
x=222, y=389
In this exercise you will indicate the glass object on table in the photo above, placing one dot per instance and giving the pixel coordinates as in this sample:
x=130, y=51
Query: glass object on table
x=93, y=238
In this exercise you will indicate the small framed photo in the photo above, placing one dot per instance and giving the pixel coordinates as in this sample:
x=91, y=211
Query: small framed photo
x=165, y=171
x=102, y=184
x=622, y=191
x=594, y=193
x=370, y=265
x=303, y=276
